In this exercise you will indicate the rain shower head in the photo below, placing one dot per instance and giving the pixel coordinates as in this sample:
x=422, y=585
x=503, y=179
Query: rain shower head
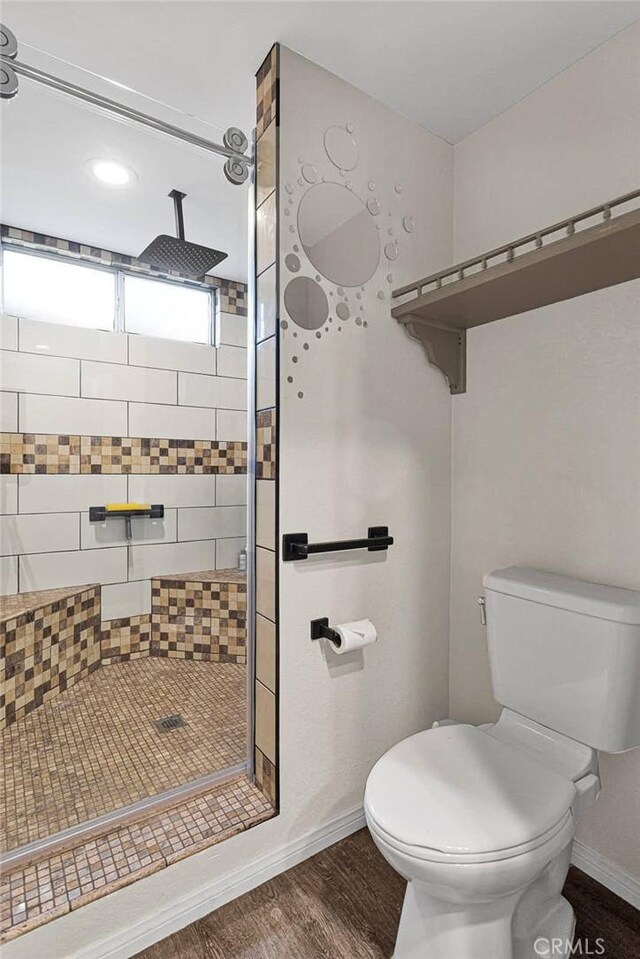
x=169, y=253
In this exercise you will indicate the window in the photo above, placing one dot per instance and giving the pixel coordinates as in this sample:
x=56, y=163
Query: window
x=54, y=290
x=167, y=309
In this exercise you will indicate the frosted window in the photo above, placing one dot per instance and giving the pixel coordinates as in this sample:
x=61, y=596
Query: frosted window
x=168, y=310
x=45, y=289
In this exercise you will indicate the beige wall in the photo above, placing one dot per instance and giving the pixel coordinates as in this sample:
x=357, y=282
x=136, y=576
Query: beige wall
x=369, y=444
x=546, y=441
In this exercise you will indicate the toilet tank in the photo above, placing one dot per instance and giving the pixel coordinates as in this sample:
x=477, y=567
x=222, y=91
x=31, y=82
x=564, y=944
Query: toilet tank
x=566, y=653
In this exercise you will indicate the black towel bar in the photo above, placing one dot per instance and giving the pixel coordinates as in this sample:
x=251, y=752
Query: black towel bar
x=297, y=545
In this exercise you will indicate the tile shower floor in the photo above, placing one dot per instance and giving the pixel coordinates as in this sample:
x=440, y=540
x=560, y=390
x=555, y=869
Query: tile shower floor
x=95, y=748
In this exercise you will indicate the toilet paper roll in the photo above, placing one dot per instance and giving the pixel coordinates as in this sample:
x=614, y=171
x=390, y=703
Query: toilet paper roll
x=354, y=635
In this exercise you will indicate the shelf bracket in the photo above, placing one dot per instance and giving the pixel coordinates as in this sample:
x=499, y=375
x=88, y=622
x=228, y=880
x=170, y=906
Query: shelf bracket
x=446, y=348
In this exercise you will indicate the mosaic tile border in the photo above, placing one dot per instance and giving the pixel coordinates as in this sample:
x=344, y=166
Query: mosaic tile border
x=38, y=893
x=267, y=92
x=232, y=294
x=46, y=649
x=266, y=444
x=266, y=776
x=51, y=454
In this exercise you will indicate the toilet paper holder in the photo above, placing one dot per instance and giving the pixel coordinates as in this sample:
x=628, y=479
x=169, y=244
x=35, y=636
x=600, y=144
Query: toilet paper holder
x=320, y=629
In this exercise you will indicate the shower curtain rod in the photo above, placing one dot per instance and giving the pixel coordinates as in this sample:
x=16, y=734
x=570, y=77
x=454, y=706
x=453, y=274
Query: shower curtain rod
x=122, y=111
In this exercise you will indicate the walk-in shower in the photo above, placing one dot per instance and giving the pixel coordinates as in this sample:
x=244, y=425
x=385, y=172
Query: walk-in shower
x=126, y=392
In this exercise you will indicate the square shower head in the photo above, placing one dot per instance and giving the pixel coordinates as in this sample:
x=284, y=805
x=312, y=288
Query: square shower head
x=169, y=253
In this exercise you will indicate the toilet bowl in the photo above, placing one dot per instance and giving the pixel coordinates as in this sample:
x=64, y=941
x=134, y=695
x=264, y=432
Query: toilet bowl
x=482, y=831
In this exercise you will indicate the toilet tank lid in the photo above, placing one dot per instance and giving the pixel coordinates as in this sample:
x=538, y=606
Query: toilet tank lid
x=591, y=599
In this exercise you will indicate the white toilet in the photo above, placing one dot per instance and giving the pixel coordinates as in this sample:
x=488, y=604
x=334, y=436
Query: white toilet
x=480, y=820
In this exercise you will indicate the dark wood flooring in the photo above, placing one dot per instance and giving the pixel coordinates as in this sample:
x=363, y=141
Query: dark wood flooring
x=345, y=903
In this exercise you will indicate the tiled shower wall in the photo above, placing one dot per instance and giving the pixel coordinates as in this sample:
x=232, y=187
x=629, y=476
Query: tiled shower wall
x=266, y=469
x=91, y=417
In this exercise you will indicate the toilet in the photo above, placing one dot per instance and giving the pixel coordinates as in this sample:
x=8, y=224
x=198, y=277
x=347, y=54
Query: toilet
x=481, y=820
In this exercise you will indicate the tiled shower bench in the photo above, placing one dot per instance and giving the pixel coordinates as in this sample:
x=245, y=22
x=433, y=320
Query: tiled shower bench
x=49, y=640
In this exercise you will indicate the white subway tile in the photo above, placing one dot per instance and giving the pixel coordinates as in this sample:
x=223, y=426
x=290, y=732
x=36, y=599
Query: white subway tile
x=265, y=723
x=266, y=304
x=176, y=422
x=51, y=570
x=266, y=513
x=232, y=330
x=171, y=354
x=232, y=361
x=266, y=219
x=8, y=575
x=112, y=532
x=55, y=339
x=30, y=373
x=112, y=381
x=266, y=374
x=265, y=583
x=231, y=490
x=121, y=600
x=214, y=391
x=8, y=412
x=56, y=414
x=173, y=490
x=39, y=533
x=148, y=561
x=64, y=494
x=8, y=332
x=231, y=425
x=228, y=552
x=212, y=522
x=8, y=494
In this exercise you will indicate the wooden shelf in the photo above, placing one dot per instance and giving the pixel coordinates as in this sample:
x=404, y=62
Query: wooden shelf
x=588, y=260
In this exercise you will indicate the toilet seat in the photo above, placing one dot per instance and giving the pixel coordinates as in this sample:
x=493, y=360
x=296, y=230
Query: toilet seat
x=456, y=794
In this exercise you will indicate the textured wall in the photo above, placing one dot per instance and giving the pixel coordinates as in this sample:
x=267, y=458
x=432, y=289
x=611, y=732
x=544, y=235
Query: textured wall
x=366, y=444
x=546, y=441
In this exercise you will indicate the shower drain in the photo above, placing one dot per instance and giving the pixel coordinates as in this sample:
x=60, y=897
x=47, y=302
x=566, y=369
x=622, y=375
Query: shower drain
x=167, y=723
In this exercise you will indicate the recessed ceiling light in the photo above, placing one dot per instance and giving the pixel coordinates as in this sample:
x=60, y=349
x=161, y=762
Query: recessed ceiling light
x=112, y=172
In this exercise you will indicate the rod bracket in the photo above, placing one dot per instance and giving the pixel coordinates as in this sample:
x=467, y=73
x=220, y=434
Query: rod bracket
x=446, y=348
x=320, y=629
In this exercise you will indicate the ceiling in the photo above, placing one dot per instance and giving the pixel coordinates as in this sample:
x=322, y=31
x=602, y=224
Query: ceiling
x=450, y=66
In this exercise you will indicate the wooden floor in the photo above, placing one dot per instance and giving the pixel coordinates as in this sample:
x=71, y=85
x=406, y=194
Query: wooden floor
x=345, y=904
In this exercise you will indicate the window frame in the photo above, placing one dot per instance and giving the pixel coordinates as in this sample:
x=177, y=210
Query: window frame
x=119, y=305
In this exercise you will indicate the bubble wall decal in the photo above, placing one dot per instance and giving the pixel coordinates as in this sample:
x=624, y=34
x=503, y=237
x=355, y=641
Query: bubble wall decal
x=306, y=303
x=309, y=173
x=341, y=148
x=338, y=235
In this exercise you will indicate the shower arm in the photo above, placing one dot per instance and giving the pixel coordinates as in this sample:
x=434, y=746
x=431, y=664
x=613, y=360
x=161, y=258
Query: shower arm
x=121, y=110
x=177, y=198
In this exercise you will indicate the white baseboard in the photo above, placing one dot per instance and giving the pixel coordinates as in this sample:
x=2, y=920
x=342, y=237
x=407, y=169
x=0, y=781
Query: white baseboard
x=606, y=873
x=170, y=918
